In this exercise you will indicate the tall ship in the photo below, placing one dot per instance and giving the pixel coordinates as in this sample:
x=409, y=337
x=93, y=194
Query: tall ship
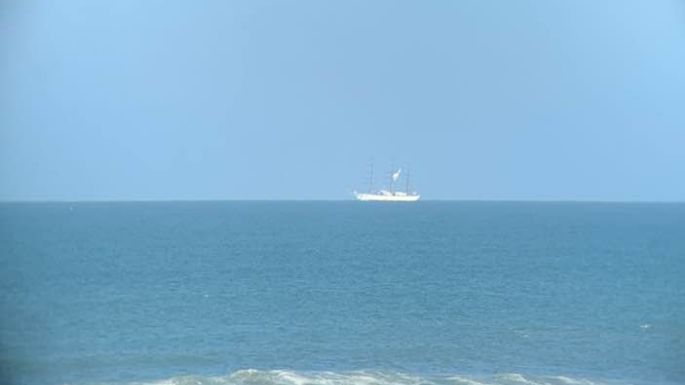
x=390, y=194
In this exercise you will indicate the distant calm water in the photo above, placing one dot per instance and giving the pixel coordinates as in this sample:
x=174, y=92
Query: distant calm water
x=342, y=293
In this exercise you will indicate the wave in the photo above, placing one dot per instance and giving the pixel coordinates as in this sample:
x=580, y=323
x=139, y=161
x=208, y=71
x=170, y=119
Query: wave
x=285, y=377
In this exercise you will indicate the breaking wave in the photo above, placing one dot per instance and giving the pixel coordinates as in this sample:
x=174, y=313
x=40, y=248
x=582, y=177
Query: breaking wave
x=284, y=377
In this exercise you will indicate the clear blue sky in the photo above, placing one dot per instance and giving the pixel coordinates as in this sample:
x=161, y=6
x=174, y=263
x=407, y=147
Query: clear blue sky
x=122, y=99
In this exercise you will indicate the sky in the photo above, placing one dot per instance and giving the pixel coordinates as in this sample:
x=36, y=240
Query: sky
x=481, y=99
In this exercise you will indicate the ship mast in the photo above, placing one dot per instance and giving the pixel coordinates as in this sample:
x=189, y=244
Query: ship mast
x=393, y=178
x=371, y=179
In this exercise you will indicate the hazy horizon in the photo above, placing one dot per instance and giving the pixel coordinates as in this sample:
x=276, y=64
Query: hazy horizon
x=349, y=199
x=483, y=100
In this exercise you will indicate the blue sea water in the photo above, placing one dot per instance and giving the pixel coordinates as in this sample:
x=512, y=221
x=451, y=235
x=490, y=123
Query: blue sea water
x=342, y=293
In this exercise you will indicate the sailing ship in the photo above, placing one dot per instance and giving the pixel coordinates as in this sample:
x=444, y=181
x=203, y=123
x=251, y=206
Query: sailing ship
x=389, y=195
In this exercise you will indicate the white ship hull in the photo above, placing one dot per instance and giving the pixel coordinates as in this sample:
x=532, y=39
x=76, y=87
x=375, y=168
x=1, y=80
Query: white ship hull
x=386, y=197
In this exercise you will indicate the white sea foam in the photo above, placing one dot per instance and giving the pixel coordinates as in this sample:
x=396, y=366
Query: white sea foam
x=573, y=381
x=284, y=377
x=520, y=379
x=287, y=377
x=461, y=380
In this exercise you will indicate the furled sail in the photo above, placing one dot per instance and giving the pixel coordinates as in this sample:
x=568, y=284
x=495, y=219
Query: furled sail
x=396, y=175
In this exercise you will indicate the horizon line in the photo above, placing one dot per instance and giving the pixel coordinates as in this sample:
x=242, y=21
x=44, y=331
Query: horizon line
x=29, y=201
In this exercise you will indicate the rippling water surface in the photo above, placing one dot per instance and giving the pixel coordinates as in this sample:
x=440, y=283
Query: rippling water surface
x=342, y=293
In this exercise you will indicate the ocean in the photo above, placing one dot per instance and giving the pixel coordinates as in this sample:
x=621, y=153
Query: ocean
x=342, y=293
